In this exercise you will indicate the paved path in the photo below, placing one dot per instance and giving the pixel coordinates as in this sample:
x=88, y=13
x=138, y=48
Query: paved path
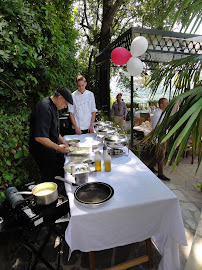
x=183, y=182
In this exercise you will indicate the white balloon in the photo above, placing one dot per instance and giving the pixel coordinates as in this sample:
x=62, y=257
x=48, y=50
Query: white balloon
x=139, y=46
x=134, y=66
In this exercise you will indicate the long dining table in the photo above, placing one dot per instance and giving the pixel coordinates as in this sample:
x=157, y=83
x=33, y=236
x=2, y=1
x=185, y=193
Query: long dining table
x=142, y=207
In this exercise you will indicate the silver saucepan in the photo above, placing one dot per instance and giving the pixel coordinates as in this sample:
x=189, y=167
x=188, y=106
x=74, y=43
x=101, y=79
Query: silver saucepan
x=91, y=195
x=44, y=193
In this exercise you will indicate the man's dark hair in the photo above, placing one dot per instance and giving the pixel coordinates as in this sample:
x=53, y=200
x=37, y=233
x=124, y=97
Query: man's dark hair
x=65, y=93
x=56, y=94
x=161, y=101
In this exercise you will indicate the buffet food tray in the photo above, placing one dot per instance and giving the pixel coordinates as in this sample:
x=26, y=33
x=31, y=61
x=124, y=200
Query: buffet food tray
x=78, y=151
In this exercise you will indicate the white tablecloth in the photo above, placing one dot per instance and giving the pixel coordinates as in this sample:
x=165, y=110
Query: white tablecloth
x=142, y=207
x=137, y=113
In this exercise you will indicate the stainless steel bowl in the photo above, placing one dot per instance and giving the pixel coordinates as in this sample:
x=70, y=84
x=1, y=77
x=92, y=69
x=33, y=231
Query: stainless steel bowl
x=80, y=172
x=115, y=140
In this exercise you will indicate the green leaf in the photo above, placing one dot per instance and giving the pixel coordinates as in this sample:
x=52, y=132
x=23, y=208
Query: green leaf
x=8, y=162
x=189, y=125
x=8, y=176
x=197, y=106
x=18, y=155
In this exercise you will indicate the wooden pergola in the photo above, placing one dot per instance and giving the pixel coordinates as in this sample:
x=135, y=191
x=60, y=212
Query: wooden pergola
x=163, y=46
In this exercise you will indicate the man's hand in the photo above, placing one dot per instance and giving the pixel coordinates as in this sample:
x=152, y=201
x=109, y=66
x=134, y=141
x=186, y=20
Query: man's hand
x=62, y=141
x=63, y=148
x=91, y=129
x=78, y=131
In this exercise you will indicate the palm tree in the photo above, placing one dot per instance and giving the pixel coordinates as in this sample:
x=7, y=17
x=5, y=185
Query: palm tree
x=177, y=127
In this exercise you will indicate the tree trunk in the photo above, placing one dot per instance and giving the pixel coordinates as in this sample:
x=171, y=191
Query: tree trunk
x=103, y=95
x=89, y=67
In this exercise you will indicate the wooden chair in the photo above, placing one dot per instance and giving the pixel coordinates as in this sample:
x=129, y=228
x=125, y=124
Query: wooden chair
x=138, y=121
x=189, y=147
x=145, y=116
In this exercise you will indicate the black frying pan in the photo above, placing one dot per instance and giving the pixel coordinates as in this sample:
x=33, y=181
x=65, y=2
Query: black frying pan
x=92, y=194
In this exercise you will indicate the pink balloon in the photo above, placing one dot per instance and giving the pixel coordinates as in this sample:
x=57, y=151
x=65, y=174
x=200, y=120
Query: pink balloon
x=120, y=56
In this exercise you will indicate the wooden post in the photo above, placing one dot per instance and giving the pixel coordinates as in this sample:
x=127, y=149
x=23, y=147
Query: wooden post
x=149, y=252
x=91, y=260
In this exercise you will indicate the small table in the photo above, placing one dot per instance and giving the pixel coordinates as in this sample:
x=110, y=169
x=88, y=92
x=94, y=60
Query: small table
x=146, y=130
x=142, y=207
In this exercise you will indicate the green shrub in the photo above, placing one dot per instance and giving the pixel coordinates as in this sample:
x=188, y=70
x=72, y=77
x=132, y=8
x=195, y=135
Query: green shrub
x=15, y=162
x=37, y=49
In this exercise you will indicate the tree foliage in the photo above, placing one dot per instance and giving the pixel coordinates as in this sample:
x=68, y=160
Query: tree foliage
x=99, y=22
x=37, y=51
x=37, y=54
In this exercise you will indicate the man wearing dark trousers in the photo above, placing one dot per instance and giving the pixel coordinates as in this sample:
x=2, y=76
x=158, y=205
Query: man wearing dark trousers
x=159, y=155
x=46, y=144
x=82, y=112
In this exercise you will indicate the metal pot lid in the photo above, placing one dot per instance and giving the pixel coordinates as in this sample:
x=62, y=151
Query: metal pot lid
x=103, y=124
x=94, y=193
x=106, y=130
x=116, y=138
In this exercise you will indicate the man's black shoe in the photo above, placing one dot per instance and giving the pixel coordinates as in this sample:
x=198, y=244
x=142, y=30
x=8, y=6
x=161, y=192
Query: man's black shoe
x=153, y=170
x=163, y=177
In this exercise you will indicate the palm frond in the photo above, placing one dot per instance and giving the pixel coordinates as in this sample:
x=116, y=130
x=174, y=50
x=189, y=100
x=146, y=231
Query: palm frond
x=188, y=67
x=191, y=114
x=182, y=124
x=186, y=123
x=193, y=13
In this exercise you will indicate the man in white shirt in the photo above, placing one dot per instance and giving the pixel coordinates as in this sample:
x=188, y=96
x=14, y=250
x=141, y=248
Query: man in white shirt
x=82, y=112
x=160, y=156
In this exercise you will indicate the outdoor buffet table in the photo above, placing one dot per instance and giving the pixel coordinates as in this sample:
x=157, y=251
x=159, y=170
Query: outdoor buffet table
x=142, y=207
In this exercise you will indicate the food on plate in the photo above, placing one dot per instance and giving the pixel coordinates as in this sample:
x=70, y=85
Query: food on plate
x=79, y=150
x=73, y=142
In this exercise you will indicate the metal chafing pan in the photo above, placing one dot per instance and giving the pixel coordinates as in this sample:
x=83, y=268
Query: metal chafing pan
x=115, y=140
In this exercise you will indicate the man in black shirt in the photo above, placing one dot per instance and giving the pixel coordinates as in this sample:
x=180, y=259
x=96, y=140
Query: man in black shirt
x=45, y=142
